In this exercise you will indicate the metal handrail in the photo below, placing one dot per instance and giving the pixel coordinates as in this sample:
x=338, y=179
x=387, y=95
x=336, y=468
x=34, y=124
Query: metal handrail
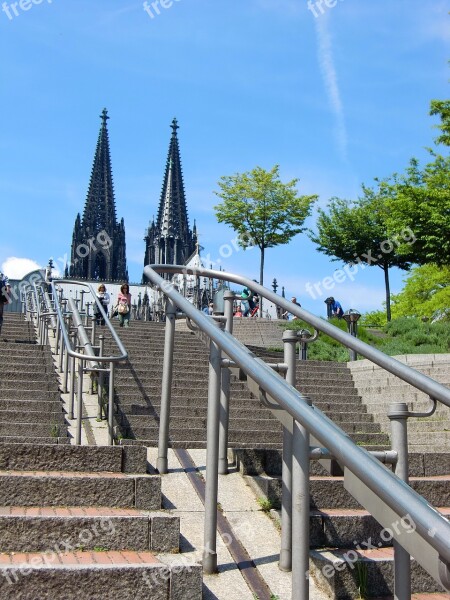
x=66, y=338
x=395, y=494
x=419, y=380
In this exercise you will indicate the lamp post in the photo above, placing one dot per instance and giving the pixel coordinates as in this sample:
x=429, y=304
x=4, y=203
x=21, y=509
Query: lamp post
x=351, y=317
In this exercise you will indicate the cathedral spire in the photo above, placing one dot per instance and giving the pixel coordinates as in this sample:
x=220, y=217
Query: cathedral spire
x=169, y=240
x=98, y=245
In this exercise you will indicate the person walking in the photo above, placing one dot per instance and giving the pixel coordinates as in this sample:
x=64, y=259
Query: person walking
x=287, y=315
x=5, y=288
x=124, y=305
x=103, y=297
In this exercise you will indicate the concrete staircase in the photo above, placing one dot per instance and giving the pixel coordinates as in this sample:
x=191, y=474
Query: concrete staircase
x=78, y=522
x=30, y=397
x=378, y=389
x=138, y=390
x=340, y=528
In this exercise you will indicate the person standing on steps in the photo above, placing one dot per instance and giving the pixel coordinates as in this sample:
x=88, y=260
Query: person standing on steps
x=5, y=288
x=287, y=315
x=103, y=297
x=124, y=305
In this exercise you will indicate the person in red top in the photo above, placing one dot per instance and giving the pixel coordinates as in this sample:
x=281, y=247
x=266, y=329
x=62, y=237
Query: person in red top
x=124, y=305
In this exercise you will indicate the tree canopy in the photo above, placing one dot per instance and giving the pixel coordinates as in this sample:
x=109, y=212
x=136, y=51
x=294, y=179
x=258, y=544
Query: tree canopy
x=426, y=293
x=357, y=233
x=263, y=210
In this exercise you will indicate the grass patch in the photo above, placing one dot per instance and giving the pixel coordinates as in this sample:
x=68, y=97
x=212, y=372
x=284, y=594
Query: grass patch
x=405, y=335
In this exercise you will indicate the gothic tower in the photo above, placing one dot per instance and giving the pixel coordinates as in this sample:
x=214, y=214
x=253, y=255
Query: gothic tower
x=98, y=241
x=169, y=240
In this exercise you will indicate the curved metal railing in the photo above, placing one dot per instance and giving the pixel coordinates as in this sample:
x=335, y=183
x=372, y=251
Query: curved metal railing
x=394, y=498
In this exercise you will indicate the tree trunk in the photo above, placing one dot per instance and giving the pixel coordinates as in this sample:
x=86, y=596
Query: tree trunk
x=261, y=280
x=388, y=292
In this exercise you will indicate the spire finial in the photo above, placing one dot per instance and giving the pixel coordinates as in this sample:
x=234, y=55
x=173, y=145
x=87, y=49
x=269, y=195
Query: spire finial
x=104, y=116
x=174, y=126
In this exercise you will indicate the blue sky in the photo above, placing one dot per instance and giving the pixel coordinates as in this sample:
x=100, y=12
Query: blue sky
x=335, y=99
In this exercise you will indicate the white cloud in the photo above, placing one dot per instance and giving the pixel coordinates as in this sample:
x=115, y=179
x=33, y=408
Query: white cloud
x=16, y=268
x=329, y=74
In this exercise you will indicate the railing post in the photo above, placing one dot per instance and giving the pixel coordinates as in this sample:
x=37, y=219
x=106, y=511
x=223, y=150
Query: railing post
x=94, y=323
x=212, y=455
x=79, y=401
x=166, y=388
x=398, y=414
x=62, y=348
x=300, y=513
x=111, y=404
x=66, y=361
x=101, y=377
x=285, y=564
x=58, y=336
x=228, y=298
x=72, y=377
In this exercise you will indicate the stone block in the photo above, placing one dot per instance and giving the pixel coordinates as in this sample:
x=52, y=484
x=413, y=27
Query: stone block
x=186, y=582
x=134, y=459
x=165, y=533
x=148, y=492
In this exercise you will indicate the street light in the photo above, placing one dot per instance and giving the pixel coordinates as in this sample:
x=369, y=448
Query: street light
x=351, y=317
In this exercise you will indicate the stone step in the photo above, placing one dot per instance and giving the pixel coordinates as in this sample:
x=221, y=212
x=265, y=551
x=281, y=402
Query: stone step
x=346, y=528
x=32, y=416
x=128, y=575
x=393, y=388
x=338, y=571
x=268, y=462
x=246, y=408
x=10, y=439
x=329, y=492
x=25, y=529
x=42, y=383
x=24, y=406
x=111, y=459
x=199, y=444
x=136, y=423
x=385, y=378
x=23, y=371
x=52, y=488
x=30, y=394
x=29, y=430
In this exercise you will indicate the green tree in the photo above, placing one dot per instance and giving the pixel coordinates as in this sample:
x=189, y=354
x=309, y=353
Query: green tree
x=262, y=209
x=442, y=108
x=426, y=293
x=420, y=200
x=357, y=234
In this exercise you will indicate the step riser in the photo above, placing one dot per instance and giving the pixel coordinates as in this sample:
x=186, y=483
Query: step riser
x=80, y=491
x=38, y=534
x=32, y=416
x=134, y=582
x=112, y=459
x=341, y=580
x=31, y=430
x=331, y=493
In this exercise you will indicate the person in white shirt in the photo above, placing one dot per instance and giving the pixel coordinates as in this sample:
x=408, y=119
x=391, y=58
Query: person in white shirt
x=103, y=296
